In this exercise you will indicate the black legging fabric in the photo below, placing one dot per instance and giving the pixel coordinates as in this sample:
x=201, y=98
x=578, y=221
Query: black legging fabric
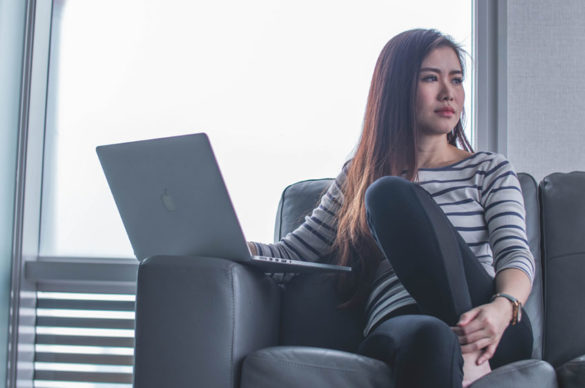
x=441, y=273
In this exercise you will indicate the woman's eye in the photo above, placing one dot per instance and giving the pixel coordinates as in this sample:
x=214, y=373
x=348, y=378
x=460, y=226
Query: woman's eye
x=429, y=78
x=457, y=81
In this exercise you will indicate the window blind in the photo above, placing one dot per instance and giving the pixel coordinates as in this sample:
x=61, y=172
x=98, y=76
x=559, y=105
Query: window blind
x=84, y=340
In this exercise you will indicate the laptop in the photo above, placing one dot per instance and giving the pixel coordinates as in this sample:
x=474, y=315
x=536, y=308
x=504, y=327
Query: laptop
x=173, y=201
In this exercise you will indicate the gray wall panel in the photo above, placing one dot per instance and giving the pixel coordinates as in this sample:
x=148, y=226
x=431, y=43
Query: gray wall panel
x=546, y=85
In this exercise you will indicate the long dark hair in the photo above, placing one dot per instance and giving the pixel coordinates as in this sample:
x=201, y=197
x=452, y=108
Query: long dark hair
x=386, y=147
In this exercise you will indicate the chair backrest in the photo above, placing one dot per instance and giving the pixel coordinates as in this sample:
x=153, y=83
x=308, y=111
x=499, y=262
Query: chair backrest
x=534, y=305
x=310, y=316
x=296, y=201
x=562, y=199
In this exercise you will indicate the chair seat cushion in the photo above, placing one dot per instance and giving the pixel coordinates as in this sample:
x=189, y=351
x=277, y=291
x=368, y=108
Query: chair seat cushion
x=520, y=374
x=296, y=366
x=572, y=373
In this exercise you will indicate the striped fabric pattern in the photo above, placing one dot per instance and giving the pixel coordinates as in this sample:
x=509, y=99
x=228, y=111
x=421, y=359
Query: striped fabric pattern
x=480, y=195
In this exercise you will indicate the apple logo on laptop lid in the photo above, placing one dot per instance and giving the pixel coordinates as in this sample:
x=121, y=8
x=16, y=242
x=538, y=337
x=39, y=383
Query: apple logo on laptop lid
x=168, y=201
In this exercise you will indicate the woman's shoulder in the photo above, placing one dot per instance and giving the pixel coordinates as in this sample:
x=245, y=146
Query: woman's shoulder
x=487, y=161
x=342, y=176
x=481, y=166
x=494, y=161
x=336, y=188
x=496, y=171
x=488, y=156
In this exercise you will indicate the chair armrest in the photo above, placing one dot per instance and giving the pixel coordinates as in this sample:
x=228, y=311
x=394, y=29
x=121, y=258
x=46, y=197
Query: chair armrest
x=197, y=318
x=572, y=373
x=298, y=366
x=520, y=374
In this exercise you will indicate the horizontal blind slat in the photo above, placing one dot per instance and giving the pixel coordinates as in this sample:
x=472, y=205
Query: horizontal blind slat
x=47, y=339
x=83, y=376
x=84, y=337
x=77, y=384
x=86, y=322
x=85, y=304
x=84, y=358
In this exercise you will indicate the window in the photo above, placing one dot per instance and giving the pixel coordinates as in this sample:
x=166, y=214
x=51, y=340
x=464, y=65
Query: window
x=280, y=87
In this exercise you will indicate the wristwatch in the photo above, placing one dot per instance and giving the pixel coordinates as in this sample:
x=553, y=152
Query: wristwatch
x=516, y=307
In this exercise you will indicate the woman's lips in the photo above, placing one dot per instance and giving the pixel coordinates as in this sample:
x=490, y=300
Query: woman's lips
x=445, y=112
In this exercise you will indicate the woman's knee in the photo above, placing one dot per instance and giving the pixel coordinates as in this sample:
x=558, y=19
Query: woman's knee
x=432, y=342
x=387, y=195
x=414, y=331
x=386, y=187
x=428, y=331
x=423, y=350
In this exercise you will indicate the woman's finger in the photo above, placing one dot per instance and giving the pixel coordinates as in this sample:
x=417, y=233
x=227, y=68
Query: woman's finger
x=488, y=354
x=457, y=330
x=473, y=326
x=475, y=346
x=467, y=317
x=473, y=337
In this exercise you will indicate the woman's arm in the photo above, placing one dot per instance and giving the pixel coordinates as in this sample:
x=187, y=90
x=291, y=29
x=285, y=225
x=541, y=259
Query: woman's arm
x=482, y=327
x=514, y=282
x=313, y=239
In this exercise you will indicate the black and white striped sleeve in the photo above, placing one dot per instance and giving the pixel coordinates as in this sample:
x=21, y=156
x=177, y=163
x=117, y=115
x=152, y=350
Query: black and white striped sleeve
x=313, y=239
x=505, y=218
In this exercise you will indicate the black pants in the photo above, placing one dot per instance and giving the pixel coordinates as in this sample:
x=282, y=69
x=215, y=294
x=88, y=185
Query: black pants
x=441, y=273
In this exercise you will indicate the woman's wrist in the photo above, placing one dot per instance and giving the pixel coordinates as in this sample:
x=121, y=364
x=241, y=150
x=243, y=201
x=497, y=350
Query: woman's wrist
x=505, y=307
x=509, y=307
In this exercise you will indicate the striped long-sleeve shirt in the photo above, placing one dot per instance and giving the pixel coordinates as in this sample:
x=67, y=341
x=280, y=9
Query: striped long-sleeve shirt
x=480, y=196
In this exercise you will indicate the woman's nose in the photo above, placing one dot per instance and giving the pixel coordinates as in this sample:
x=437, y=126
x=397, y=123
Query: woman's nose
x=446, y=92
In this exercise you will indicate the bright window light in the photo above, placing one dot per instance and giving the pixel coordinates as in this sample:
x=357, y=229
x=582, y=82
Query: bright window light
x=279, y=86
x=99, y=314
x=85, y=296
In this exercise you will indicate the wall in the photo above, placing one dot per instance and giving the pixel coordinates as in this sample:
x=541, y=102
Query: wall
x=546, y=85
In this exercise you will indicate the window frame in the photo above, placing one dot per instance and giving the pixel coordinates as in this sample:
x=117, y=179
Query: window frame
x=490, y=97
x=32, y=272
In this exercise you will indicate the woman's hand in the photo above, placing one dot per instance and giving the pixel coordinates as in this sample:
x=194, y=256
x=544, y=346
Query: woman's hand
x=252, y=248
x=482, y=328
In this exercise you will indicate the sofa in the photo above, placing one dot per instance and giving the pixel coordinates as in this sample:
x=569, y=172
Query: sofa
x=210, y=322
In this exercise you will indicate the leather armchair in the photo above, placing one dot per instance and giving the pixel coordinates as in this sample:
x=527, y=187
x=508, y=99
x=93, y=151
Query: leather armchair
x=562, y=201
x=210, y=322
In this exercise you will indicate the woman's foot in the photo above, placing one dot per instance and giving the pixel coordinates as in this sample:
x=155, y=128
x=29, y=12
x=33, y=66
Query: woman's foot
x=472, y=371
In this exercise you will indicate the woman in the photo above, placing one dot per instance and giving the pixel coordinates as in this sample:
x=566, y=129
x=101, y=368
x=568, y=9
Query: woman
x=435, y=233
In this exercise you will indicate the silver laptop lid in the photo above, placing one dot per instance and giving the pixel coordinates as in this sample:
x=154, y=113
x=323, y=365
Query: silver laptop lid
x=172, y=198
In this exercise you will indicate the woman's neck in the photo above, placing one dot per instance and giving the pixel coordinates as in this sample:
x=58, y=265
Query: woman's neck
x=437, y=152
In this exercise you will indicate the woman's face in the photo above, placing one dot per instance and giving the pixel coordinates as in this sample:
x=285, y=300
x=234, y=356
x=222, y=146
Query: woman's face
x=440, y=94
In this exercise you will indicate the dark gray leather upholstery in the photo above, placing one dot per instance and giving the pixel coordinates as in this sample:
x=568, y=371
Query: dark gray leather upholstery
x=534, y=305
x=197, y=318
x=294, y=367
x=526, y=373
x=297, y=200
x=314, y=319
x=572, y=374
x=308, y=320
x=563, y=220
